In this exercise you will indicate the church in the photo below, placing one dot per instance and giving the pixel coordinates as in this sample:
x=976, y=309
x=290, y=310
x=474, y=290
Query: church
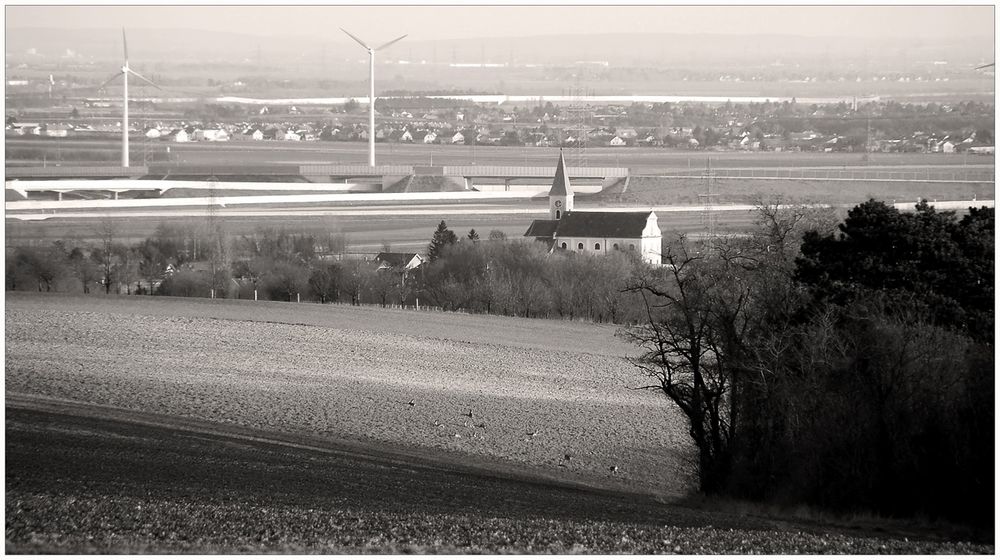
x=594, y=232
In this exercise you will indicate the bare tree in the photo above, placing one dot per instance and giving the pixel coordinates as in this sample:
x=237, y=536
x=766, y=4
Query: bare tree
x=106, y=231
x=699, y=317
x=83, y=268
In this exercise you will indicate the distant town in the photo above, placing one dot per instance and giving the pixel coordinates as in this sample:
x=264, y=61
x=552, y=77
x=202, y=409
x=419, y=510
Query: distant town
x=859, y=126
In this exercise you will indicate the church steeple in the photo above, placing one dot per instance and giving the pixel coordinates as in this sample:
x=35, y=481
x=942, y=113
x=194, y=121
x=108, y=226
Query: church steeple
x=561, y=193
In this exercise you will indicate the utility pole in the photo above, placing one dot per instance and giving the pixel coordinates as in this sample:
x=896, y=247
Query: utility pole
x=708, y=214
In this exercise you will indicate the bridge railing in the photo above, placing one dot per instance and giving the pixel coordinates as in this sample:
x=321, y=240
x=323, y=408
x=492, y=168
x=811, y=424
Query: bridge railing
x=355, y=170
x=526, y=171
x=74, y=171
x=922, y=175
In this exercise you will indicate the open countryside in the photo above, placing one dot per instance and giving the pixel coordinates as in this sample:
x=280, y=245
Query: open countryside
x=521, y=403
x=688, y=290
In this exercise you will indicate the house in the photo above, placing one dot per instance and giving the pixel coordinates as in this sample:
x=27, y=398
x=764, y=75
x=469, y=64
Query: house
x=430, y=138
x=650, y=140
x=406, y=136
x=594, y=232
x=57, y=131
x=257, y=134
x=627, y=133
x=153, y=132
x=211, y=135
x=458, y=138
x=616, y=141
x=291, y=135
x=947, y=148
x=399, y=261
x=179, y=135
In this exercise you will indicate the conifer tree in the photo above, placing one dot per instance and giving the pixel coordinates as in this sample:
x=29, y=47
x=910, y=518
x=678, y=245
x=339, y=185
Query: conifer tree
x=442, y=238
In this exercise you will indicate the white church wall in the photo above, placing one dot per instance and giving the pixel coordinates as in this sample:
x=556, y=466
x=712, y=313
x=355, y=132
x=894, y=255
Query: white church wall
x=607, y=245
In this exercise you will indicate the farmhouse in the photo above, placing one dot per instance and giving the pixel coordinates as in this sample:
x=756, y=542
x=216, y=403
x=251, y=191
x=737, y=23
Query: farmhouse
x=594, y=232
x=398, y=261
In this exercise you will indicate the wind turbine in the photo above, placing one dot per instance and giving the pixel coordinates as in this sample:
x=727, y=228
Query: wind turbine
x=124, y=72
x=371, y=91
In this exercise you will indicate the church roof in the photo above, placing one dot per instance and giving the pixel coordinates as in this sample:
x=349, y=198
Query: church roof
x=542, y=228
x=560, y=184
x=602, y=224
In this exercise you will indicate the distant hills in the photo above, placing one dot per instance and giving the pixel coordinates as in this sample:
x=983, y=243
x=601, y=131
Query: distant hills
x=617, y=49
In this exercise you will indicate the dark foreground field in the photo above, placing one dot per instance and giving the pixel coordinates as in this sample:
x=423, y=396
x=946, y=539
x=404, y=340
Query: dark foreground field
x=91, y=479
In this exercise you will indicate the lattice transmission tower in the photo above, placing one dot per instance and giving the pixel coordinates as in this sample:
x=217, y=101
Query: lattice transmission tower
x=708, y=198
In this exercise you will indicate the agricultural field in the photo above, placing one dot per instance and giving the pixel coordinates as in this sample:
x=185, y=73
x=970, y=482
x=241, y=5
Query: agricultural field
x=661, y=190
x=366, y=232
x=171, y=425
x=641, y=161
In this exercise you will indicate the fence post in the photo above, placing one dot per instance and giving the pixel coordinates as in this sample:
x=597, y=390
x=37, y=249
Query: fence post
x=297, y=299
x=211, y=293
x=255, y=294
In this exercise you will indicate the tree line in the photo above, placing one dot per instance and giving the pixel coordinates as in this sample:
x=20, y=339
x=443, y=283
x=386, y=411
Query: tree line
x=849, y=368
x=492, y=275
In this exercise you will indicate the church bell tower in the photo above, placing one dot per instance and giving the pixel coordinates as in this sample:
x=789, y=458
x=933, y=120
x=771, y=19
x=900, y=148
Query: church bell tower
x=561, y=193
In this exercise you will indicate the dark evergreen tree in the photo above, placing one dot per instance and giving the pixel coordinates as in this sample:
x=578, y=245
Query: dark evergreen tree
x=473, y=235
x=927, y=261
x=442, y=238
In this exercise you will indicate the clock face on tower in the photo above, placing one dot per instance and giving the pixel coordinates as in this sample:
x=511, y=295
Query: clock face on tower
x=558, y=203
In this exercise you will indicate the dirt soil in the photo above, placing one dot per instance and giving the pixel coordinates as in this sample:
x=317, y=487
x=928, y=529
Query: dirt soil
x=511, y=390
x=171, y=425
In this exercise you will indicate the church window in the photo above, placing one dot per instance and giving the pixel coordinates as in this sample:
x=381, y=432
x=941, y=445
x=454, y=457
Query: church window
x=579, y=246
x=564, y=245
x=631, y=247
x=597, y=246
x=615, y=247
x=557, y=214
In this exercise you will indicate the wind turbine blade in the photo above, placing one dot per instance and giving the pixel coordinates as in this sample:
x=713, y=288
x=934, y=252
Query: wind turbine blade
x=985, y=66
x=125, y=46
x=391, y=42
x=109, y=80
x=144, y=78
x=360, y=42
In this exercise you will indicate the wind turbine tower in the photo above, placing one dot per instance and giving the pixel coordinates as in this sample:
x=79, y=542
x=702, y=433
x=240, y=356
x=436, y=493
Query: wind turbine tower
x=124, y=72
x=371, y=91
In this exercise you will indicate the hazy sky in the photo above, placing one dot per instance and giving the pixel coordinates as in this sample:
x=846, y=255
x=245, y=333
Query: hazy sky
x=426, y=22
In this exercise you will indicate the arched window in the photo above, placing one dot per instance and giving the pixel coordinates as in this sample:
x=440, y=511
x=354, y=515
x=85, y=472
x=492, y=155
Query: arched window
x=615, y=246
x=579, y=246
x=564, y=245
x=631, y=247
x=557, y=214
x=597, y=246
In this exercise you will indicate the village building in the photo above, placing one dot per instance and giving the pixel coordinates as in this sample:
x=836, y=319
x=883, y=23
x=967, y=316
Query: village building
x=398, y=261
x=595, y=232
